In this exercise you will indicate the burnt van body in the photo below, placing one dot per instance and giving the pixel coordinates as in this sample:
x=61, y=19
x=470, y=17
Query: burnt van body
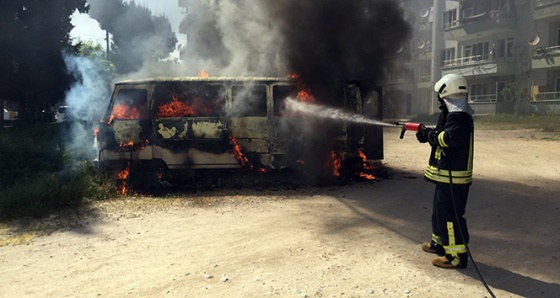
x=223, y=123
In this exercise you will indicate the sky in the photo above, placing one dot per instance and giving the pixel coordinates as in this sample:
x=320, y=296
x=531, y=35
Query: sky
x=87, y=29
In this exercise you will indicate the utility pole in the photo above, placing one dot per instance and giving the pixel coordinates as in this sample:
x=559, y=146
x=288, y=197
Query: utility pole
x=108, y=44
x=438, y=45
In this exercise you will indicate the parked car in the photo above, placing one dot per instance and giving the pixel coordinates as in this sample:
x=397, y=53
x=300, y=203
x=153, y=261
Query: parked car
x=10, y=115
x=61, y=114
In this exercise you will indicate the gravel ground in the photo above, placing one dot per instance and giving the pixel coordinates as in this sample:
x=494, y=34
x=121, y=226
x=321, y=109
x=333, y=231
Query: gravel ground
x=361, y=239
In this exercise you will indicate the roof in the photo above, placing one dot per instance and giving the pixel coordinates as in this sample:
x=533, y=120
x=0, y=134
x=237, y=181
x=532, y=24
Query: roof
x=205, y=79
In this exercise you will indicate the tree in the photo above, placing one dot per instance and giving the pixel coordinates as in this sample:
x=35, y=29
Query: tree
x=518, y=97
x=34, y=35
x=137, y=35
x=96, y=53
x=88, y=96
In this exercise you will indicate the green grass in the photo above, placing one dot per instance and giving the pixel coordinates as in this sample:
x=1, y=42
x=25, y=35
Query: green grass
x=37, y=175
x=512, y=122
x=505, y=122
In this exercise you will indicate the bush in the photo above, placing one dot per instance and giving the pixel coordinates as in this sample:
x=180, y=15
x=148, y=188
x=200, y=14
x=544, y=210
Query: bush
x=37, y=176
x=45, y=192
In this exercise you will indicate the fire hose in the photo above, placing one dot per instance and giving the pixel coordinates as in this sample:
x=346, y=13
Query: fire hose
x=413, y=126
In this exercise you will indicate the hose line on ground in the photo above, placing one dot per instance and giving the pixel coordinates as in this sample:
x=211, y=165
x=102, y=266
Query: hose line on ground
x=460, y=229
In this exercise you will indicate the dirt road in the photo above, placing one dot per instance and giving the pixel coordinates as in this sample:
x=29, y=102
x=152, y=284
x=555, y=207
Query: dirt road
x=360, y=240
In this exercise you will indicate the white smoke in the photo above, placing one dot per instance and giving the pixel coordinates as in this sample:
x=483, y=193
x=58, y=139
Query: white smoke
x=89, y=96
x=87, y=100
x=226, y=38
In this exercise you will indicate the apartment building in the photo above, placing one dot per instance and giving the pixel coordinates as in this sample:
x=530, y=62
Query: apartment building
x=492, y=48
x=545, y=40
x=408, y=83
x=493, y=44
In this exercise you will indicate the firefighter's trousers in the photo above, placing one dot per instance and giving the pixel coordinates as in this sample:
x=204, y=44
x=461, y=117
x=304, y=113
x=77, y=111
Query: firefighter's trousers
x=446, y=210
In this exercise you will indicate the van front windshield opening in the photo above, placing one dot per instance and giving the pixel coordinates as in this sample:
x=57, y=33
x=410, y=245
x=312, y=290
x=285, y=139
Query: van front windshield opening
x=130, y=104
x=189, y=100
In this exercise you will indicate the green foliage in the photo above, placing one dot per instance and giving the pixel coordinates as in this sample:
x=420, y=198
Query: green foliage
x=37, y=176
x=137, y=35
x=519, y=97
x=34, y=35
x=41, y=194
x=96, y=53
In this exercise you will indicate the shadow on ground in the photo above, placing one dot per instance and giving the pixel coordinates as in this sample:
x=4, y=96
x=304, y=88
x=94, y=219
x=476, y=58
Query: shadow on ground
x=513, y=227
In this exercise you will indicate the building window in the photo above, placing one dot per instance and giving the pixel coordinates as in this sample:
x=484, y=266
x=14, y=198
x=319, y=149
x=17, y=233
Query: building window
x=480, y=51
x=479, y=89
x=450, y=19
x=467, y=54
x=505, y=47
x=448, y=57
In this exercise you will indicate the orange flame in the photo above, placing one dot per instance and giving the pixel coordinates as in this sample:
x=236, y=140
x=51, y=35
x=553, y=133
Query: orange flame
x=95, y=131
x=236, y=151
x=176, y=108
x=124, y=112
x=130, y=145
x=122, y=176
x=304, y=93
x=335, y=164
x=367, y=176
x=366, y=166
x=203, y=73
x=181, y=108
x=126, y=144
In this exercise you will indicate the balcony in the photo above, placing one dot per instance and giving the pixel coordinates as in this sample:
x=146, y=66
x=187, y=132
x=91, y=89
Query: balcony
x=479, y=26
x=548, y=96
x=546, y=57
x=484, y=98
x=547, y=10
x=479, y=66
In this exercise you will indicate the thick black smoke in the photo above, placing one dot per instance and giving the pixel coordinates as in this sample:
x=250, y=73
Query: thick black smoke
x=338, y=40
x=330, y=41
x=325, y=42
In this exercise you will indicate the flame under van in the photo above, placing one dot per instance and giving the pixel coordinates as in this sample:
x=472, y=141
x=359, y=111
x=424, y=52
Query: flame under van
x=193, y=123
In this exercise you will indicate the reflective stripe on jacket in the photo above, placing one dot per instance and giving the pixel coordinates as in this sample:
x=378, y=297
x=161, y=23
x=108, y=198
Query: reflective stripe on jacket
x=455, y=139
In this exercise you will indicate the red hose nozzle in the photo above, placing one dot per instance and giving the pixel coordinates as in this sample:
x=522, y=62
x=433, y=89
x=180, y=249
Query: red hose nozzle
x=409, y=126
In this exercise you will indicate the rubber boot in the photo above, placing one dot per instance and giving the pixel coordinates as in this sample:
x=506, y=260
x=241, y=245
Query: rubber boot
x=450, y=262
x=433, y=248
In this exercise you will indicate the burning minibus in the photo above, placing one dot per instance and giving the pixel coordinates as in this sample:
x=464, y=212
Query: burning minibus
x=205, y=123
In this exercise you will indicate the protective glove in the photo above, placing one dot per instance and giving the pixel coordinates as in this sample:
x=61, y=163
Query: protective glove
x=422, y=134
x=432, y=137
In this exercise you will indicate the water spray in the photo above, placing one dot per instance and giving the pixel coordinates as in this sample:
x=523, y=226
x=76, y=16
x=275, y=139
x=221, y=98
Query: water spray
x=339, y=115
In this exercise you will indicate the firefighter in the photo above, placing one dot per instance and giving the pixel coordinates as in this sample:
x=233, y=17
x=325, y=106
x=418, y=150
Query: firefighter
x=452, y=144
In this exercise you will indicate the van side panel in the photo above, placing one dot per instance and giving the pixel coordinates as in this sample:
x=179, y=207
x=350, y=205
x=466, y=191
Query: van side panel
x=195, y=123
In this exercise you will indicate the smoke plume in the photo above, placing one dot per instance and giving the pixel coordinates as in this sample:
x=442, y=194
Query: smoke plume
x=87, y=100
x=320, y=40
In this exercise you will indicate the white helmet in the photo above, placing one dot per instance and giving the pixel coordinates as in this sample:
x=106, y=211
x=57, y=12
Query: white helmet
x=451, y=84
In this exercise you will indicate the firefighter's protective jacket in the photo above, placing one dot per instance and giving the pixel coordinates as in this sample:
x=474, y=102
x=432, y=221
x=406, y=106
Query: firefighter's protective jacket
x=454, y=137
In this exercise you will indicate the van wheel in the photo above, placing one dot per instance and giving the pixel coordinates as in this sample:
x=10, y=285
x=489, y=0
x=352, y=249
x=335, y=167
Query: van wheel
x=148, y=176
